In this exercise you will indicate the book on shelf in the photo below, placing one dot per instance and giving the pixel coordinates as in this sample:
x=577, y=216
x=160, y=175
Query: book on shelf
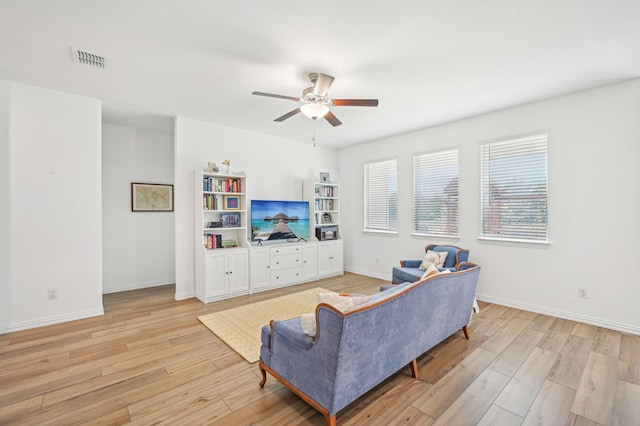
x=213, y=241
x=209, y=202
x=324, y=191
x=230, y=220
x=214, y=184
x=324, y=204
x=229, y=244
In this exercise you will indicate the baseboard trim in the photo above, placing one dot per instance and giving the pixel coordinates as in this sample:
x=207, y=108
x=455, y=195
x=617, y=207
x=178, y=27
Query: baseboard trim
x=368, y=274
x=186, y=295
x=138, y=286
x=51, y=320
x=598, y=322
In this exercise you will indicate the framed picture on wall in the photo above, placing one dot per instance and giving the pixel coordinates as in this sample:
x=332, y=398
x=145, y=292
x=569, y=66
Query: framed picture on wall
x=151, y=197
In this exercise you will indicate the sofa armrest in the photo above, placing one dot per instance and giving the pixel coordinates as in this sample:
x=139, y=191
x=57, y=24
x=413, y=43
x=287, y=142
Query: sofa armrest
x=412, y=263
x=291, y=330
x=465, y=265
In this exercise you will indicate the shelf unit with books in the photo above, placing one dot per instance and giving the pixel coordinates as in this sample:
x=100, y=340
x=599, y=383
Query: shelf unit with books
x=324, y=202
x=221, y=248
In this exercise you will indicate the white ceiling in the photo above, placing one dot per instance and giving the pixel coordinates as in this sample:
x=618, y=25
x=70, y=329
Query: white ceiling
x=427, y=61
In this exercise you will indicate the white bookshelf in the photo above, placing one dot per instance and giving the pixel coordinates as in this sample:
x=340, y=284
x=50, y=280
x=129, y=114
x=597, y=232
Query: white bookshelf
x=220, y=235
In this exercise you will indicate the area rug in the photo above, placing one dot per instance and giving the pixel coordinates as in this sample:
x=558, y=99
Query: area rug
x=240, y=327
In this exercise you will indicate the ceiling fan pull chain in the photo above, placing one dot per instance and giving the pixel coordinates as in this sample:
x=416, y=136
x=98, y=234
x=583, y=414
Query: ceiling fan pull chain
x=314, y=133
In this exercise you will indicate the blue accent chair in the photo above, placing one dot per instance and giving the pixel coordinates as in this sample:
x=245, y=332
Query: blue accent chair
x=409, y=270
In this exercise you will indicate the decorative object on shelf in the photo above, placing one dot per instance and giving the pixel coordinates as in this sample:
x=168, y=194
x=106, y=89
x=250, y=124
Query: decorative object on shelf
x=326, y=218
x=231, y=202
x=213, y=168
x=151, y=197
x=227, y=163
x=325, y=177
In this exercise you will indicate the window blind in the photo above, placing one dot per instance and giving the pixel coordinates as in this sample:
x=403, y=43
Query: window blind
x=514, y=189
x=435, y=193
x=381, y=196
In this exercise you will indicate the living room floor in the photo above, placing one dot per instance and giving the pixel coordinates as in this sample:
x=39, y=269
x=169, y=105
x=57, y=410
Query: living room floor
x=149, y=360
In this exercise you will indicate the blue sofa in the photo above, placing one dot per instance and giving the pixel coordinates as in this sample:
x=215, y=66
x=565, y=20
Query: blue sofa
x=409, y=269
x=352, y=352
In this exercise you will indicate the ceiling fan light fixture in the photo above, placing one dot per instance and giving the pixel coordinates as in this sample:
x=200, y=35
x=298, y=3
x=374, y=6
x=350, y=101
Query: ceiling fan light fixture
x=314, y=110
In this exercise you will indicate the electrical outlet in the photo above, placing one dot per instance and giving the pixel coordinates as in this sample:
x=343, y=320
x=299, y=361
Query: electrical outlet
x=583, y=292
x=52, y=293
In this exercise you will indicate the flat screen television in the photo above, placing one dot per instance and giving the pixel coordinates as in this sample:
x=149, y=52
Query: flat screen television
x=279, y=220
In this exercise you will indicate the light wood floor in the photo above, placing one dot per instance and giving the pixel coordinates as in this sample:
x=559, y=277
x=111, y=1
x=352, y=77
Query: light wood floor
x=148, y=360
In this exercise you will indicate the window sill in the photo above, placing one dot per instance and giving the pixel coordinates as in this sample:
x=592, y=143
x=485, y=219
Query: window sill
x=516, y=243
x=453, y=237
x=375, y=231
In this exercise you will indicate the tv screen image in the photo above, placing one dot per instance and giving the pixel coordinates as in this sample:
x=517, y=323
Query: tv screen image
x=279, y=220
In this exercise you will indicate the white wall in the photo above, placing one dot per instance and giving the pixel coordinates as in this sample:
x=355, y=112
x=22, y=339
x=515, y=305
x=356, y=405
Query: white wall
x=275, y=169
x=138, y=247
x=5, y=210
x=54, y=207
x=594, y=206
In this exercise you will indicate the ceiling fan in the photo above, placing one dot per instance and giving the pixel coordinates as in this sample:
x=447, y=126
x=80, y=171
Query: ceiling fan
x=315, y=103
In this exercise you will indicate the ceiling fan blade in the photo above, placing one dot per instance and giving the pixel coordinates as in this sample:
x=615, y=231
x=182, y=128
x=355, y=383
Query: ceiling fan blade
x=288, y=115
x=271, y=95
x=355, y=102
x=323, y=82
x=332, y=119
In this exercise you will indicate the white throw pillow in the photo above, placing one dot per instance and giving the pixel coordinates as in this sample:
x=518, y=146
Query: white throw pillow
x=435, y=258
x=341, y=302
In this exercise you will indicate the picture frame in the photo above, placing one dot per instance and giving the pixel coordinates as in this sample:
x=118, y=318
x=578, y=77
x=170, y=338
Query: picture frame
x=231, y=202
x=213, y=167
x=325, y=177
x=151, y=197
x=326, y=218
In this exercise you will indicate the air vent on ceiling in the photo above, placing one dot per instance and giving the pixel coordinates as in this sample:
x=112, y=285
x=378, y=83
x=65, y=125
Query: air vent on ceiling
x=87, y=58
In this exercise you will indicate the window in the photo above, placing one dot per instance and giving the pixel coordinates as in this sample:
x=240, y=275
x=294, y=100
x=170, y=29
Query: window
x=514, y=189
x=435, y=193
x=381, y=196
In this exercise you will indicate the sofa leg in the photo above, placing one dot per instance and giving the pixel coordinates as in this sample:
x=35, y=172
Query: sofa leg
x=465, y=330
x=264, y=375
x=414, y=369
x=331, y=421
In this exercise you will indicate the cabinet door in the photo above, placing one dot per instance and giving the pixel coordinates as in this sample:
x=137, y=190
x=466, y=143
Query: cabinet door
x=324, y=259
x=310, y=262
x=237, y=264
x=337, y=263
x=259, y=274
x=215, y=274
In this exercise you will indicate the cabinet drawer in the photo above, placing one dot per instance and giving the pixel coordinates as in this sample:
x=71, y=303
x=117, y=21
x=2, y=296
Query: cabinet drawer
x=286, y=261
x=286, y=276
x=280, y=250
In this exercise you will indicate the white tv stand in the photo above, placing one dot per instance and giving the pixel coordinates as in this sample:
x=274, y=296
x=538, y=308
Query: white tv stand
x=280, y=265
